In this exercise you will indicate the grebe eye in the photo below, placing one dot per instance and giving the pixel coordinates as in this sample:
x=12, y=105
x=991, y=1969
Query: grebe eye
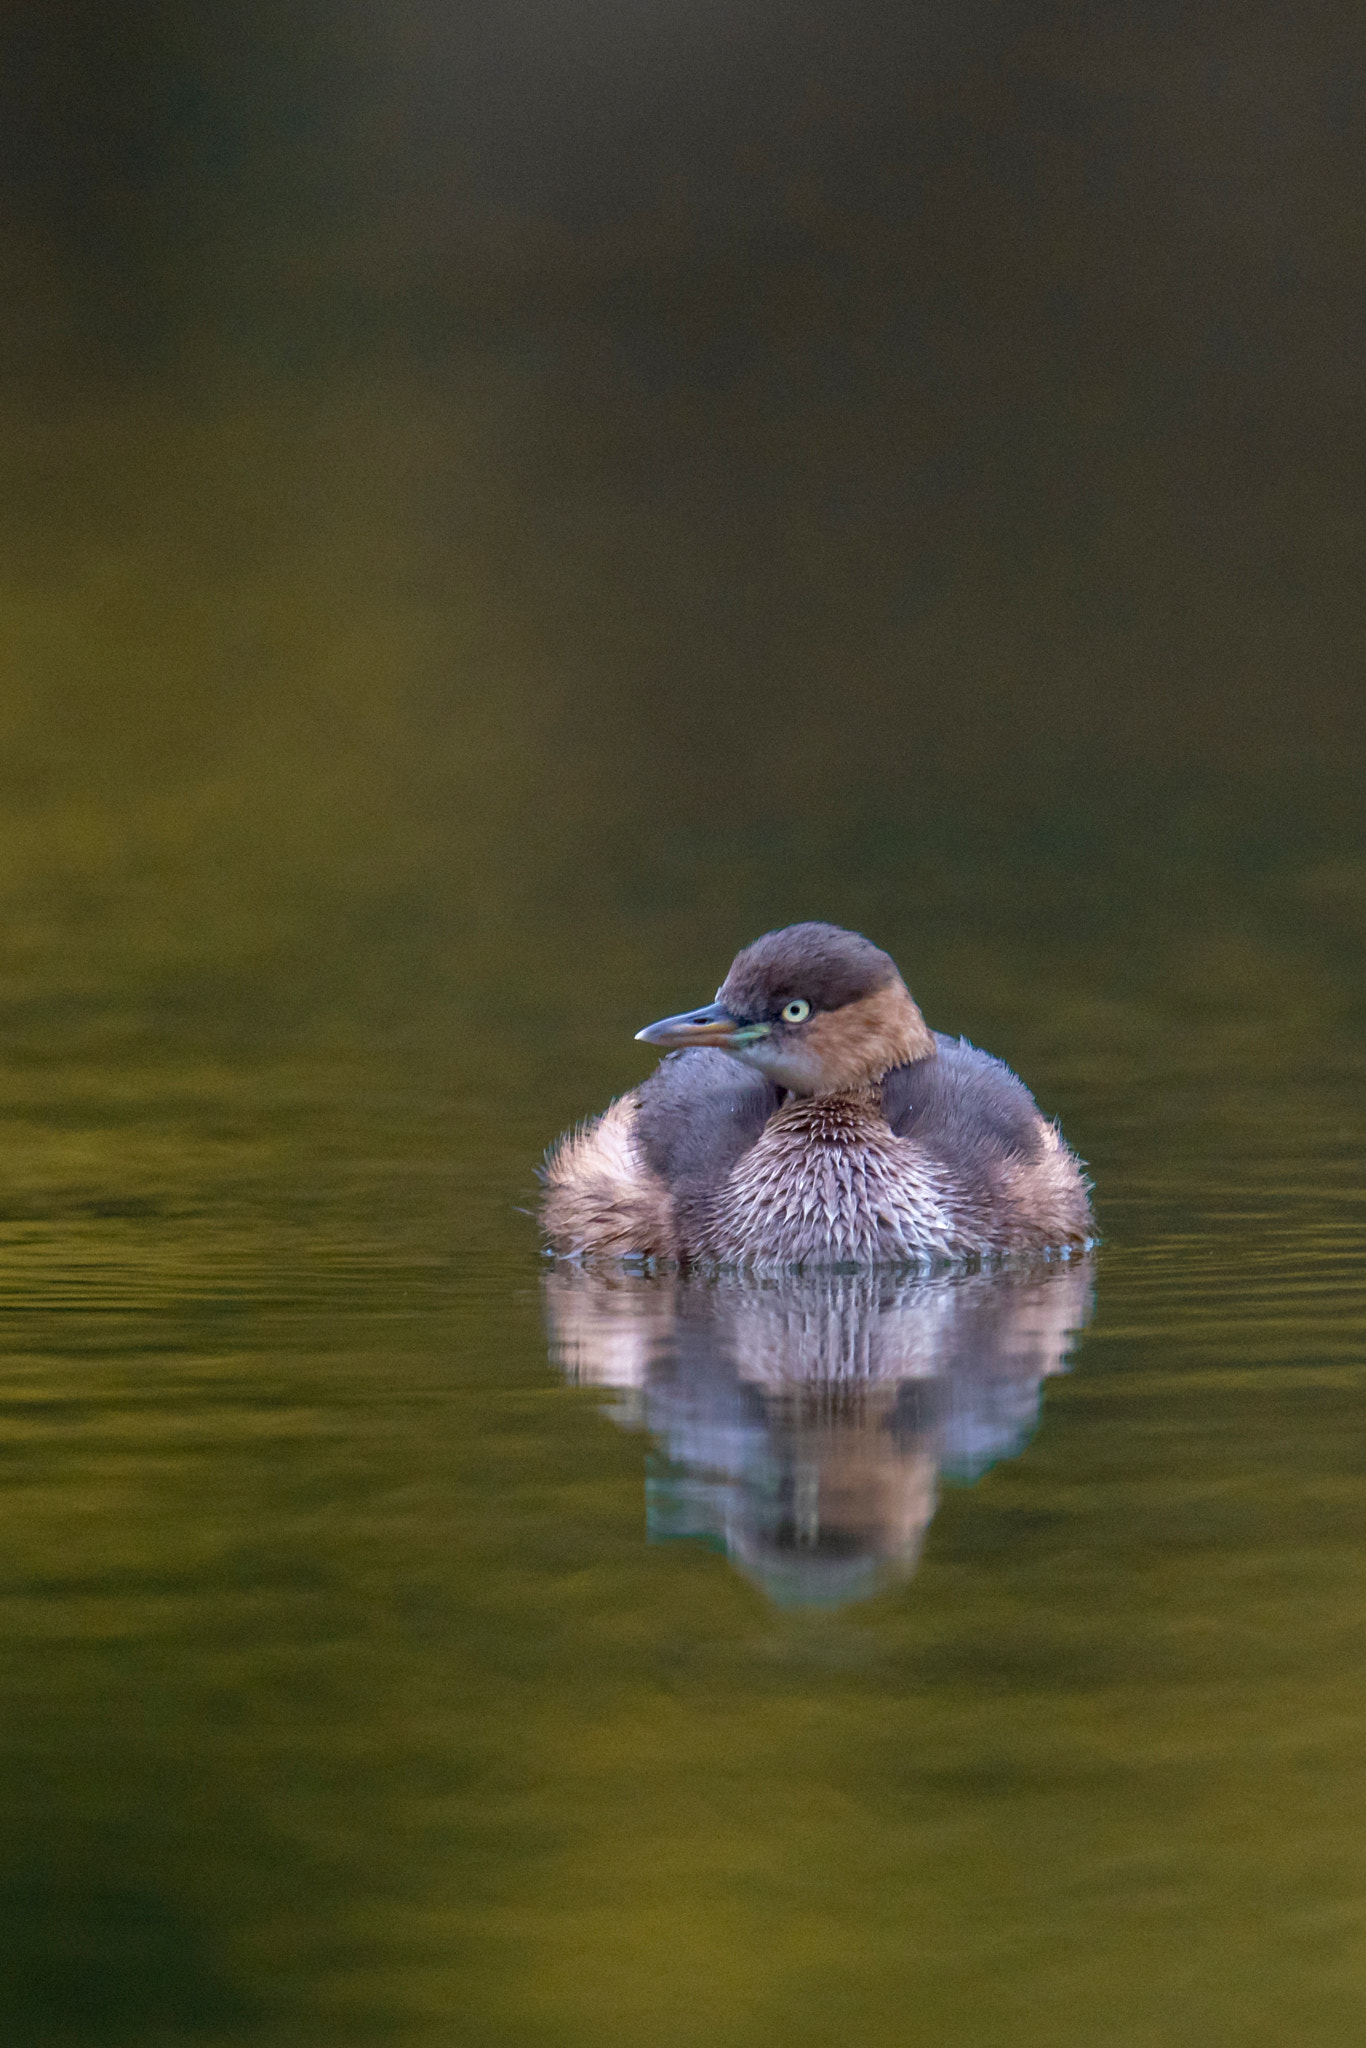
x=796, y=1012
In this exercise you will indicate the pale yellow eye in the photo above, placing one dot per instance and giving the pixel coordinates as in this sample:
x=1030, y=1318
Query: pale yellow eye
x=796, y=1012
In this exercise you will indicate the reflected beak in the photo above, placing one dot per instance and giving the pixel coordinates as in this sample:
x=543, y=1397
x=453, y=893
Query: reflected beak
x=712, y=1026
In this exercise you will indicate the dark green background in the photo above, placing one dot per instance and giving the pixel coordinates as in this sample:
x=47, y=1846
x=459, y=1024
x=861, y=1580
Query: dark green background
x=502, y=504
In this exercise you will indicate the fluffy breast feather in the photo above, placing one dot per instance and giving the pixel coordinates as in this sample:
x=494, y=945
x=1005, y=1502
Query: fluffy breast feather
x=826, y=1183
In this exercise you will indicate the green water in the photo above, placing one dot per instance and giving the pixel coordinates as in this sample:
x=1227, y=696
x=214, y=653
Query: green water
x=498, y=507
x=346, y=1697
x=377, y=754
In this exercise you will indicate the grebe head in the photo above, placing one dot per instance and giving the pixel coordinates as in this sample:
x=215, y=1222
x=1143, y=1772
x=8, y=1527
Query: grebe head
x=816, y=1009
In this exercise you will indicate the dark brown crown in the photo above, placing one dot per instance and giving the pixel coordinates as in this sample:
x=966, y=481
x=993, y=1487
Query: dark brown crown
x=820, y=962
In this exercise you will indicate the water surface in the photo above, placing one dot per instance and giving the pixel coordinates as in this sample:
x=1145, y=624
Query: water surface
x=804, y=1421
x=347, y=1696
x=498, y=507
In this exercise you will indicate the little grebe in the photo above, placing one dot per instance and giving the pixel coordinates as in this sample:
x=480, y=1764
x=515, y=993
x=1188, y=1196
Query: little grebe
x=810, y=1116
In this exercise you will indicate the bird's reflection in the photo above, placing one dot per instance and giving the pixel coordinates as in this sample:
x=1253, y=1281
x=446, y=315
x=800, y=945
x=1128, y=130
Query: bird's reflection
x=803, y=1423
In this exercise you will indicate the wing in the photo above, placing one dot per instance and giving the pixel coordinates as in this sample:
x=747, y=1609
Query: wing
x=970, y=1111
x=964, y=1107
x=629, y=1182
x=698, y=1114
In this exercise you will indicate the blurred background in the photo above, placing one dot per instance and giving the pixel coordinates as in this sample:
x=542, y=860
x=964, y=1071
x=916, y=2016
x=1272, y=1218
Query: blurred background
x=503, y=502
x=480, y=475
